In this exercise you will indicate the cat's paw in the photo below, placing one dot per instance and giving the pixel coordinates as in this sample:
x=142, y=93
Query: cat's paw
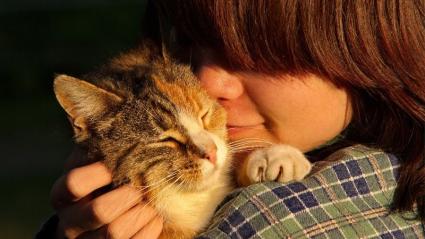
x=280, y=163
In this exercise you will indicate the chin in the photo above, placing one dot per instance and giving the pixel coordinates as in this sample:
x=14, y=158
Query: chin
x=210, y=176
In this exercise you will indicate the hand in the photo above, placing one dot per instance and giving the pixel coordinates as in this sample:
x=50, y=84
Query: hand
x=83, y=213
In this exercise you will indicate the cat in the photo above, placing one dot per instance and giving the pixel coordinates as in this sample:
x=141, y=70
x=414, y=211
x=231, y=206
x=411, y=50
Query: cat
x=147, y=118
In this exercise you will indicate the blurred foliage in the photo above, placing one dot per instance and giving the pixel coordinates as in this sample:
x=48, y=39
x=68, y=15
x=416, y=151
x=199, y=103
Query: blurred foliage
x=37, y=40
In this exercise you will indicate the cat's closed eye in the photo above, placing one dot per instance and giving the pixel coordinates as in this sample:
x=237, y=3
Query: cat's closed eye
x=205, y=117
x=172, y=137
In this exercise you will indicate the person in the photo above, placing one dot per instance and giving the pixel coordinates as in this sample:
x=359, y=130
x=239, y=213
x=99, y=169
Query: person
x=342, y=80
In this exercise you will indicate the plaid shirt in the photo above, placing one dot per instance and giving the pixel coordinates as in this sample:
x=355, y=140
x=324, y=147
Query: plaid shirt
x=349, y=197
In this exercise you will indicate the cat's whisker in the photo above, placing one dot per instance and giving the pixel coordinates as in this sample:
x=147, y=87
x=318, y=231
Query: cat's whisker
x=245, y=149
x=155, y=117
x=241, y=145
x=251, y=143
x=250, y=140
x=150, y=188
x=157, y=195
x=168, y=182
x=145, y=192
x=138, y=188
x=252, y=128
x=179, y=186
x=159, y=182
x=247, y=141
x=248, y=145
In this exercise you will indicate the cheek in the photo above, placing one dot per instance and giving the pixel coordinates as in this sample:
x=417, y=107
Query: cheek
x=304, y=113
x=276, y=102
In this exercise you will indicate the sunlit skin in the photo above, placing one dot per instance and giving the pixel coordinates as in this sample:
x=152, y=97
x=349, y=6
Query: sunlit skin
x=302, y=111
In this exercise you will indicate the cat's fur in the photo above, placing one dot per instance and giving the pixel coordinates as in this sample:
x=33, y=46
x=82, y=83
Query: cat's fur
x=149, y=120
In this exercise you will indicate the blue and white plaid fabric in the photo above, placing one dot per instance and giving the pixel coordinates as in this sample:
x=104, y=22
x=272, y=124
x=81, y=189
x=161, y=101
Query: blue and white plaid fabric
x=348, y=197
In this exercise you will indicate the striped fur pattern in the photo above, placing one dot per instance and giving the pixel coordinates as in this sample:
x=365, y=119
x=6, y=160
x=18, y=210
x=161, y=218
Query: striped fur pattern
x=156, y=129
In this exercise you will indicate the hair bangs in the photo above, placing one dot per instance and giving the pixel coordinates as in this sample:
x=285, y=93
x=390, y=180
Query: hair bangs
x=249, y=35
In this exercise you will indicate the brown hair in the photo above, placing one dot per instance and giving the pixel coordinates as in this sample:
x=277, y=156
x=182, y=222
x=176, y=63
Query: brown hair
x=374, y=49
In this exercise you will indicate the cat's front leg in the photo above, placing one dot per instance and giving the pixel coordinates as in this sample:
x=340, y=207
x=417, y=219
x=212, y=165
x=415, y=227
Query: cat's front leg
x=280, y=163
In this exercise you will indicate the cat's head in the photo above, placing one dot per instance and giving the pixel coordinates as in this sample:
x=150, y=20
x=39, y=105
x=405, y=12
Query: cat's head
x=151, y=126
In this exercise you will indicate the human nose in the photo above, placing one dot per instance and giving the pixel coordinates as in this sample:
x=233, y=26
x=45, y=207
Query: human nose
x=219, y=83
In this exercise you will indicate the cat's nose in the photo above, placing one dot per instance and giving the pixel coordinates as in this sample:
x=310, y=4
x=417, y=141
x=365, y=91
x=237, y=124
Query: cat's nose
x=205, y=147
x=211, y=154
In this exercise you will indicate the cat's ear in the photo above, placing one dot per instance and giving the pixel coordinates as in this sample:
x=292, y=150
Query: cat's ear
x=82, y=101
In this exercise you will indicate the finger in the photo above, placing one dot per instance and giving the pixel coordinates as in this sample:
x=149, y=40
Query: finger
x=132, y=221
x=152, y=230
x=126, y=225
x=78, y=183
x=100, y=211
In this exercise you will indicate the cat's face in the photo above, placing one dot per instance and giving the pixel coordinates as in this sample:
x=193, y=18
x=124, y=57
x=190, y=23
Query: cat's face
x=174, y=134
x=170, y=134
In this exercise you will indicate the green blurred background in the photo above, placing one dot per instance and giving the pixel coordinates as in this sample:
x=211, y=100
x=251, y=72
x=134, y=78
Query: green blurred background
x=37, y=40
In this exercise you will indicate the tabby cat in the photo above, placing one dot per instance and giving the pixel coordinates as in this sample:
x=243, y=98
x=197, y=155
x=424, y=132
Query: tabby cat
x=147, y=118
